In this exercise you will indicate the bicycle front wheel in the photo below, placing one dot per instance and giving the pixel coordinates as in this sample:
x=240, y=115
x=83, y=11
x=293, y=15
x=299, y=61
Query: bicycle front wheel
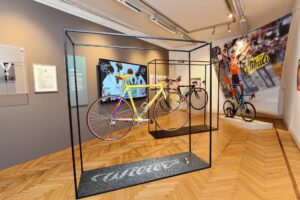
x=248, y=112
x=172, y=113
x=110, y=118
x=199, y=98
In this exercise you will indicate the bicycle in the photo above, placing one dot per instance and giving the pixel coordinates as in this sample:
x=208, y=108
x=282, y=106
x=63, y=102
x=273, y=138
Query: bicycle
x=112, y=117
x=199, y=97
x=246, y=109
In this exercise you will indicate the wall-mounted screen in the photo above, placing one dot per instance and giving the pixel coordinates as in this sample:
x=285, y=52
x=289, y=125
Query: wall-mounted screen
x=109, y=85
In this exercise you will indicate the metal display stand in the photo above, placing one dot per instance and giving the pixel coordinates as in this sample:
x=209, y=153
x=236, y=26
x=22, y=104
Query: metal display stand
x=160, y=134
x=91, y=181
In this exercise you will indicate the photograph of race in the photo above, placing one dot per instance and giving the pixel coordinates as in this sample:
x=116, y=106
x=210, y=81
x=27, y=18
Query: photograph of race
x=254, y=60
x=109, y=85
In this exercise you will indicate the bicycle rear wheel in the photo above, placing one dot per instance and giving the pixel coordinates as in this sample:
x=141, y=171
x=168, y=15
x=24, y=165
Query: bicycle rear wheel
x=172, y=113
x=199, y=98
x=110, y=118
x=248, y=112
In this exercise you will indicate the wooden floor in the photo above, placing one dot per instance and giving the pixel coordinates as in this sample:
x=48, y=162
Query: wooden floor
x=246, y=165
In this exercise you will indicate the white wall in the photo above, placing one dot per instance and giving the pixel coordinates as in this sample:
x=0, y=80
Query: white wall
x=291, y=98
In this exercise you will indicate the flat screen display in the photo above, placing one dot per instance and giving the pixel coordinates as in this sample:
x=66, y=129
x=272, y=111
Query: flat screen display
x=109, y=85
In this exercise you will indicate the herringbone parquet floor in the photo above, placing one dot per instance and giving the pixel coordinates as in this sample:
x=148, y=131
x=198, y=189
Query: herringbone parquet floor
x=246, y=165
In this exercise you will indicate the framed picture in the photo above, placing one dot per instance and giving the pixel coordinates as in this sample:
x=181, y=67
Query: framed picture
x=298, y=76
x=45, y=78
x=13, y=77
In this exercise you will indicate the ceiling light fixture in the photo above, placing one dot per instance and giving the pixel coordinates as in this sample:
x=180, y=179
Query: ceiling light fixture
x=162, y=24
x=240, y=12
x=229, y=29
x=214, y=31
x=130, y=5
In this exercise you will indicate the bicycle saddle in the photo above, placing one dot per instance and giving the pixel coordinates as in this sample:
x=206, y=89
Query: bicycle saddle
x=123, y=77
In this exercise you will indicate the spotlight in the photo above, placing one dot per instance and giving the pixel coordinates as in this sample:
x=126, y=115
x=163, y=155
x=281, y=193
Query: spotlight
x=229, y=29
x=230, y=15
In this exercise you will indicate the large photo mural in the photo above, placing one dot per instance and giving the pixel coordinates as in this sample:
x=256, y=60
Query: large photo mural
x=254, y=61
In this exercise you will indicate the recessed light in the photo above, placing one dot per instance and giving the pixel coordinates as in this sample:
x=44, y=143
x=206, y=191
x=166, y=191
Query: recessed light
x=130, y=5
x=162, y=24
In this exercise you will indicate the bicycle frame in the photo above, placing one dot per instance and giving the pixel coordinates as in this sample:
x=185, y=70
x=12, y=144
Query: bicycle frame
x=241, y=103
x=126, y=89
x=187, y=93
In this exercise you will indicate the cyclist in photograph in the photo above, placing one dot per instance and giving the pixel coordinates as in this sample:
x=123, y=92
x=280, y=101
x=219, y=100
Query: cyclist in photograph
x=235, y=79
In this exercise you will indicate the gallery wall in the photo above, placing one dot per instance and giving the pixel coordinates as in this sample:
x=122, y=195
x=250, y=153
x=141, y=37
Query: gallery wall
x=268, y=44
x=260, y=55
x=41, y=127
x=291, y=97
x=288, y=104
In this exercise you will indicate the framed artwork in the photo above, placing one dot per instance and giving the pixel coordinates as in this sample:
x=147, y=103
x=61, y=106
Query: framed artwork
x=298, y=76
x=45, y=78
x=13, y=78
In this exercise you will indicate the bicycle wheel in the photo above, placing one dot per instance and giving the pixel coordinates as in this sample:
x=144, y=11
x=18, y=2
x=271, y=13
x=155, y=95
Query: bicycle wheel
x=248, y=112
x=228, y=108
x=199, y=98
x=110, y=118
x=172, y=113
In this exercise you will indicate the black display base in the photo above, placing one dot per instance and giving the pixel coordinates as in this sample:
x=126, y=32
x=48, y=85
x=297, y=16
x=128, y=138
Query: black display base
x=121, y=176
x=159, y=134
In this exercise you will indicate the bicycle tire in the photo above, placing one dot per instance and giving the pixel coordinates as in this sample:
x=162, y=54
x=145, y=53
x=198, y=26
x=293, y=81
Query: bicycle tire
x=173, y=118
x=228, y=108
x=247, y=105
x=105, y=125
x=199, y=94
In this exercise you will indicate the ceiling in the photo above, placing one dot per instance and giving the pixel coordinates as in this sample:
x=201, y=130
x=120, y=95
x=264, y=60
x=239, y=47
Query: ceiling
x=187, y=15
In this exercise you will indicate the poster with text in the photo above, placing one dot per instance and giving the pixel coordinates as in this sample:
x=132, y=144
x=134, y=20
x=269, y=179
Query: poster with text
x=81, y=80
x=258, y=59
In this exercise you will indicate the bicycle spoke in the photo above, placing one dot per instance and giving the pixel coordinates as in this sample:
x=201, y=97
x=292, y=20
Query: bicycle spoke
x=101, y=122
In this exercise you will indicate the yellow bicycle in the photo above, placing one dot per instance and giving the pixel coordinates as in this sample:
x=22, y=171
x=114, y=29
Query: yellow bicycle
x=112, y=117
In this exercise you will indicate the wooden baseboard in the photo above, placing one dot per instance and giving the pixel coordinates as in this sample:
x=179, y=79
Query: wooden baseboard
x=294, y=138
x=292, y=134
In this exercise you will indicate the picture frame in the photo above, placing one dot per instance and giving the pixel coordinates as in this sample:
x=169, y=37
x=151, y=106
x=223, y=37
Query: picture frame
x=45, y=78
